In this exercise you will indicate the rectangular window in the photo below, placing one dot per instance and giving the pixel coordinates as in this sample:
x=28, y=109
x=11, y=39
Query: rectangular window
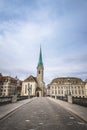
x=31, y=89
x=55, y=91
x=79, y=91
x=52, y=91
x=25, y=89
x=75, y=91
x=58, y=91
x=82, y=91
x=62, y=92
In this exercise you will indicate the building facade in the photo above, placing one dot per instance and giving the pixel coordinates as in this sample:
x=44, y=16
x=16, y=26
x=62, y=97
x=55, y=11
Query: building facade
x=35, y=86
x=29, y=86
x=9, y=86
x=65, y=86
x=86, y=87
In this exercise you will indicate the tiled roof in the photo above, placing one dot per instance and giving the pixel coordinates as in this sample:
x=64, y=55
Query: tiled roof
x=66, y=79
x=6, y=78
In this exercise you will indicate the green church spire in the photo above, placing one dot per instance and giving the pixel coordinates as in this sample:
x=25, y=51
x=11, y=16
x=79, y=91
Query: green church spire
x=40, y=63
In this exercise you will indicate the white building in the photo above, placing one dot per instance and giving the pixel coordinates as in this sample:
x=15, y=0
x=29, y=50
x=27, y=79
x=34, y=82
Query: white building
x=65, y=86
x=35, y=86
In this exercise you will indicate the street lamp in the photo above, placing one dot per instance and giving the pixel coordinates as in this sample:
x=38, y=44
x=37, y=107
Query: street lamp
x=55, y=92
x=51, y=91
x=69, y=87
x=29, y=88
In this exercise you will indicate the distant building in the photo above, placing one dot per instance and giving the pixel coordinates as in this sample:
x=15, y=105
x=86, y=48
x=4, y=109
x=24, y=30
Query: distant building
x=8, y=86
x=65, y=86
x=35, y=86
x=86, y=87
x=48, y=91
x=19, y=87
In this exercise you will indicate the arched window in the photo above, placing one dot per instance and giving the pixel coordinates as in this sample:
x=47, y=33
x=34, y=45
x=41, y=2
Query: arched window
x=39, y=72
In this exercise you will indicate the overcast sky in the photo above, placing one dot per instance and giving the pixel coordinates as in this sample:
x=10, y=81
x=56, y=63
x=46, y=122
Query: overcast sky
x=60, y=26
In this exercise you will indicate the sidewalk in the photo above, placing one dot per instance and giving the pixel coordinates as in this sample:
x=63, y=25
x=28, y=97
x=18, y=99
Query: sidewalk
x=76, y=109
x=7, y=109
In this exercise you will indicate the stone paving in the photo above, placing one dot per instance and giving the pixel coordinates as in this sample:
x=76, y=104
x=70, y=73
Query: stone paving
x=8, y=108
x=42, y=114
x=78, y=110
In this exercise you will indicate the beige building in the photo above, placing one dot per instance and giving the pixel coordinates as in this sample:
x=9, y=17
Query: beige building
x=65, y=86
x=8, y=86
x=35, y=86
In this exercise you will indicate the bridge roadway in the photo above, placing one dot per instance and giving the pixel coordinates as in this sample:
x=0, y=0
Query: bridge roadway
x=42, y=114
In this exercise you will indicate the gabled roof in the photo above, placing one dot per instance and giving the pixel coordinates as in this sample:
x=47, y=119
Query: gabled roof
x=31, y=79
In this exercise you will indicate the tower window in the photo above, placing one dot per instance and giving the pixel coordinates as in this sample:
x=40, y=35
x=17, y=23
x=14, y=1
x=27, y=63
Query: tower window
x=39, y=72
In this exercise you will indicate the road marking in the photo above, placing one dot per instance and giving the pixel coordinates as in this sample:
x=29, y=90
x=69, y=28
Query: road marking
x=81, y=123
x=40, y=123
x=71, y=118
x=27, y=120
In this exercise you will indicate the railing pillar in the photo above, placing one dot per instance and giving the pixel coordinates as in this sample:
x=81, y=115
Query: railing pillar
x=14, y=98
x=70, y=99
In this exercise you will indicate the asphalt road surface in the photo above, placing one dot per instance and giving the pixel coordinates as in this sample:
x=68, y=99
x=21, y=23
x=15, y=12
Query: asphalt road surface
x=42, y=114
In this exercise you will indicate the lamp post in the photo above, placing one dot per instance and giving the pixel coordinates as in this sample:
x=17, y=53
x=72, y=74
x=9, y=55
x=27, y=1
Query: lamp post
x=70, y=99
x=29, y=88
x=55, y=93
x=69, y=93
x=51, y=91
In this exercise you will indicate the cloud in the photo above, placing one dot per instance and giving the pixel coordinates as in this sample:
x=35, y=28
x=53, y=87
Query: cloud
x=67, y=66
x=59, y=26
x=20, y=42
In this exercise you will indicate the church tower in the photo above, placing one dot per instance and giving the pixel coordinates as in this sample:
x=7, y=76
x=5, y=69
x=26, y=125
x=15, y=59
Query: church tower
x=40, y=68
